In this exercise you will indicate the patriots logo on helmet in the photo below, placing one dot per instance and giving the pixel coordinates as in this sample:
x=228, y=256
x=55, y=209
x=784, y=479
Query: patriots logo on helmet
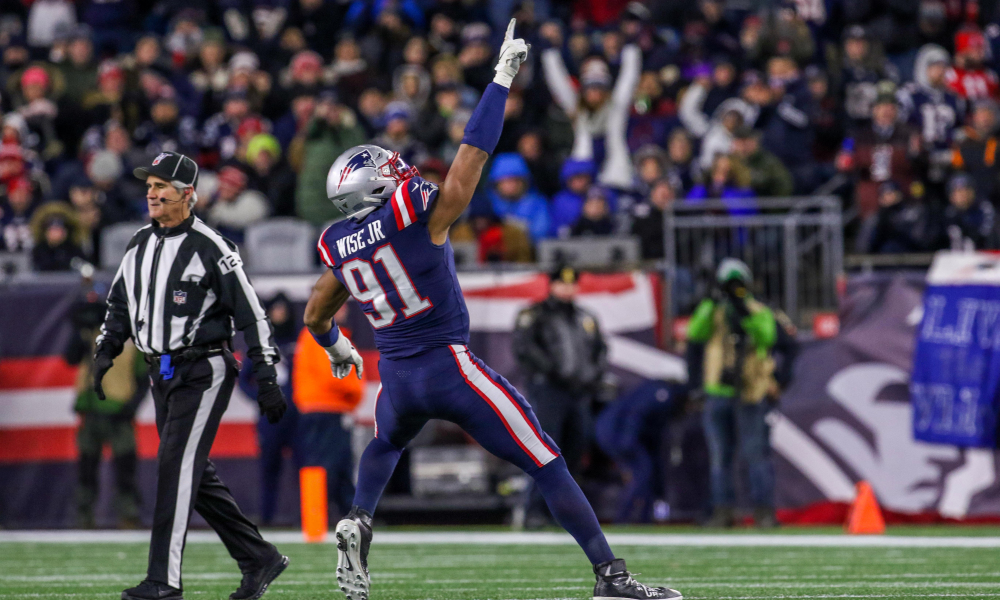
x=358, y=161
x=161, y=156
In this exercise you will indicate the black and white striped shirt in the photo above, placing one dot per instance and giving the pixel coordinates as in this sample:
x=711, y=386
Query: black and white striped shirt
x=185, y=286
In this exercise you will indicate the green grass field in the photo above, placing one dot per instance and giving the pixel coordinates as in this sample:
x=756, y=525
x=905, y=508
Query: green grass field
x=486, y=571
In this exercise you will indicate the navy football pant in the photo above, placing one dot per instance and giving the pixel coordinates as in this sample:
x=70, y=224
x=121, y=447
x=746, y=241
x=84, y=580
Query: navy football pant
x=451, y=383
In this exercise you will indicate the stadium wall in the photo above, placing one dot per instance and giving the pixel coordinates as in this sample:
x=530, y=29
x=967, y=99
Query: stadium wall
x=846, y=416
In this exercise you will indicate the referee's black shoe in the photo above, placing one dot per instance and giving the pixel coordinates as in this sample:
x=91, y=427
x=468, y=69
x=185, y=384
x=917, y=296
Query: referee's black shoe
x=255, y=582
x=152, y=590
x=614, y=582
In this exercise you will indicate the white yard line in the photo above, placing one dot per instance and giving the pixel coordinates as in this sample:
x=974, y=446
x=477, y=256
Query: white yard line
x=499, y=538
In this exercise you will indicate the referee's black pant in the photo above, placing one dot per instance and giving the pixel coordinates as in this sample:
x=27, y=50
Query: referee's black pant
x=189, y=407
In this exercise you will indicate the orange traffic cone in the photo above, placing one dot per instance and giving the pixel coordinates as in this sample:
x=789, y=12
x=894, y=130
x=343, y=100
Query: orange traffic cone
x=865, y=517
x=312, y=493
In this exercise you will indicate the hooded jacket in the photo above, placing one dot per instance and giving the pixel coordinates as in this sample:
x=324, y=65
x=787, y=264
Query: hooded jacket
x=531, y=208
x=566, y=204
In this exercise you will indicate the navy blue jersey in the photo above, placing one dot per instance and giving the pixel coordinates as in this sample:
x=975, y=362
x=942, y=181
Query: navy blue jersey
x=935, y=113
x=406, y=285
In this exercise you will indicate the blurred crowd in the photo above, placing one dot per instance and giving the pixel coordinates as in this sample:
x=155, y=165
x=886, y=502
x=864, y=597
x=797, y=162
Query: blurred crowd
x=622, y=109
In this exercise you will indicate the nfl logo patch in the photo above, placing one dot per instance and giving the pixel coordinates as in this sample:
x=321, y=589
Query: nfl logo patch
x=161, y=156
x=180, y=297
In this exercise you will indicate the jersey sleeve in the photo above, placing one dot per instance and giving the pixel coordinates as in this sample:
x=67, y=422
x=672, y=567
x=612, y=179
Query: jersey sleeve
x=412, y=202
x=323, y=246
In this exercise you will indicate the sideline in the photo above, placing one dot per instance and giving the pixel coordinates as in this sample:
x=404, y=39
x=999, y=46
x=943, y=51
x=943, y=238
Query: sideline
x=533, y=539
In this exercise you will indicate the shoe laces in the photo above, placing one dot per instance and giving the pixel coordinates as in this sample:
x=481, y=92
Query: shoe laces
x=631, y=581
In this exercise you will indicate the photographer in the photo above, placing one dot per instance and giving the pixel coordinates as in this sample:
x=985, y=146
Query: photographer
x=738, y=334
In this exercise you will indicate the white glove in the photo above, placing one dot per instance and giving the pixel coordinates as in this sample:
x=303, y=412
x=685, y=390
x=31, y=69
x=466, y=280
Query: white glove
x=342, y=355
x=512, y=54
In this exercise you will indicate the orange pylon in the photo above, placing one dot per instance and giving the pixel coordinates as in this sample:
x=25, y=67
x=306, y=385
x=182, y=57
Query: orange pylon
x=865, y=516
x=312, y=494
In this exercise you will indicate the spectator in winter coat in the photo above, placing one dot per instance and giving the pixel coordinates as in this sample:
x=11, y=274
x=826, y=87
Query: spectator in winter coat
x=730, y=115
x=16, y=210
x=968, y=222
x=270, y=174
x=57, y=237
x=541, y=161
x=882, y=151
x=727, y=180
x=827, y=118
x=167, y=130
x=650, y=166
x=902, y=224
x=788, y=134
x=295, y=120
x=79, y=72
x=682, y=168
x=930, y=106
x=431, y=127
x=783, y=33
x=975, y=151
x=864, y=66
x=647, y=219
x=576, y=177
x=513, y=197
x=219, y=132
x=397, y=137
x=233, y=207
x=599, y=112
x=39, y=111
x=595, y=218
x=768, y=176
x=332, y=130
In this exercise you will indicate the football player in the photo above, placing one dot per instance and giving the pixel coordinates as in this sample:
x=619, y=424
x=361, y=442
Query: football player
x=393, y=256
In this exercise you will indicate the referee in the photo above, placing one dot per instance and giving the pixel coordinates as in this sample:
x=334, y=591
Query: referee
x=178, y=294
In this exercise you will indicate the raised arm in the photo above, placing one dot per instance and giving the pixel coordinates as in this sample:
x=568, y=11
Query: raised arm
x=558, y=80
x=481, y=136
x=628, y=76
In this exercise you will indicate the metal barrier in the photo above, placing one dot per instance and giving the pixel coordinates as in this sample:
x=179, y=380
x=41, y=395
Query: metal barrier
x=794, y=246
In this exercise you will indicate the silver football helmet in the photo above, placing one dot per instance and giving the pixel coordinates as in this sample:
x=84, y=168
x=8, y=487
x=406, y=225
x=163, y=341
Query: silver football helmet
x=364, y=177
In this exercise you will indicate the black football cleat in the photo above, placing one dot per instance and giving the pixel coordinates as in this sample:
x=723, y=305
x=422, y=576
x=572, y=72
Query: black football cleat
x=152, y=590
x=255, y=582
x=614, y=582
x=354, y=538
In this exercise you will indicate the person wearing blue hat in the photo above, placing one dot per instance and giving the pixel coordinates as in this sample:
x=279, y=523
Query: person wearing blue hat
x=513, y=196
x=576, y=176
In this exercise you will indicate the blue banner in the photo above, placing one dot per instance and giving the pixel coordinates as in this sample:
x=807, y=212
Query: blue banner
x=956, y=366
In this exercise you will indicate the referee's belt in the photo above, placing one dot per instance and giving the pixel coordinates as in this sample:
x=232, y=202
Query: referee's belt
x=186, y=355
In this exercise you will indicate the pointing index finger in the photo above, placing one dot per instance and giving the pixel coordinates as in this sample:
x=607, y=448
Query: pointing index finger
x=510, y=30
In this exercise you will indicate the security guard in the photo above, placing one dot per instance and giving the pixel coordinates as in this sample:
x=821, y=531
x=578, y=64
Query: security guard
x=560, y=348
x=178, y=294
